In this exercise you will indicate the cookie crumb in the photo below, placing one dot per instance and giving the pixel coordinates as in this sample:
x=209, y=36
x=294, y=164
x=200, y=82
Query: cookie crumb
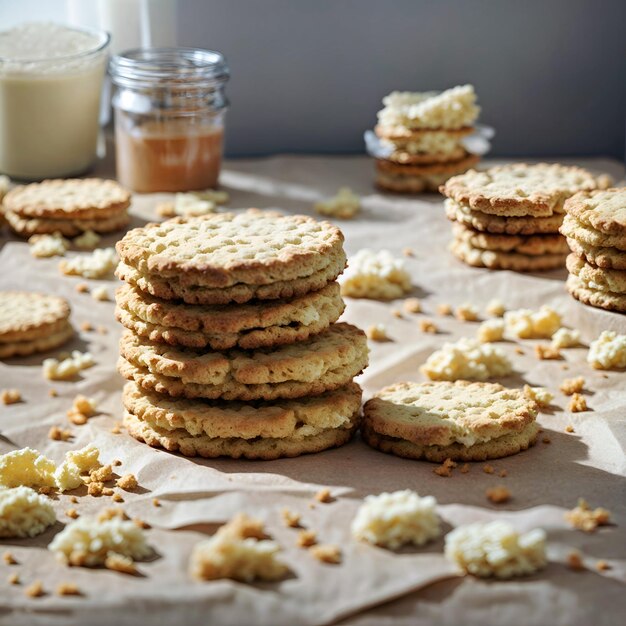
x=86, y=326
x=141, y=523
x=377, y=332
x=323, y=495
x=546, y=440
x=128, y=482
x=95, y=489
x=540, y=395
x=102, y=474
x=602, y=565
x=326, y=553
x=68, y=589
x=59, y=434
x=116, y=463
x=34, y=590
x=488, y=469
x=102, y=330
x=412, y=305
x=46, y=490
x=569, y=428
x=100, y=293
x=73, y=499
x=397, y=313
x=445, y=469
x=444, y=309
x=290, y=519
x=577, y=403
x=503, y=473
x=496, y=308
x=519, y=350
x=120, y=563
x=465, y=468
x=117, y=497
x=82, y=288
x=52, y=392
x=427, y=326
x=10, y=396
x=156, y=502
x=13, y=579
x=584, y=518
x=408, y=252
x=73, y=513
x=9, y=559
x=575, y=561
x=570, y=386
x=306, y=538
x=466, y=313
x=116, y=429
x=498, y=495
x=546, y=352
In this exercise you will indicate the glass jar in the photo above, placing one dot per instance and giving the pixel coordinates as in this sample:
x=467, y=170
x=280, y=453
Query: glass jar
x=50, y=86
x=169, y=118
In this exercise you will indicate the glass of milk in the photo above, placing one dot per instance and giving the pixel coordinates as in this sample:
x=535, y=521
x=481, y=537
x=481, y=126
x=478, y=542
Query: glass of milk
x=50, y=86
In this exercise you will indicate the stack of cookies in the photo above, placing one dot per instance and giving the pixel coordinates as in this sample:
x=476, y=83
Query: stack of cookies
x=231, y=344
x=69, y=207
x=508, y=217
x=595, y=227
x=32, y=322
x=421, y=135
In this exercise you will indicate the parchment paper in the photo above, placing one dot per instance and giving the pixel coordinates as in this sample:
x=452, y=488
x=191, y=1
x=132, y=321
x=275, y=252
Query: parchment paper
x=372, y=586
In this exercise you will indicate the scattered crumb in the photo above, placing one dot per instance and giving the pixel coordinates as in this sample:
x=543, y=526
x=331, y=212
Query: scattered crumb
x=427, y=326
x=82, y=409
x=498, y=495
x=306, y=538
x=102, y=474
x=97, y=264
x=82, y=288
x=102, y=330
x=66, y=367
x=116, y=463
x=13, y=579
x=141, y=523
x=116, y=429
x=466, y=313
x=488, y=469
x=53, y=393
x=582, y=517
x=68, y=589
x=377, y=332
x=496, y=308
x=546, y=440
x=86, y=326
x=566, y=338
x=290, y=519
x=11, y=396
x=128, y=482
x=119, y=563
x=570, y=386
x=59, y=434
x=73, y=499
x=602, y=565
x=73, y=513
x=565, y=366
x=100, y=293
x=465, y=469
x=117, y=497
x=540, y=395
x=575, y=561
x=490, y=331
x=412, y=305
x=577, y=403
x=87, y=241
x=345, y=205
x=156, y=502
x=569, y=428
x=445, y=469
x=9, y=559
x=519, y=350
x=112, y=513
x=503, y=473
x=444, y=309
x=46, y=490
x=95, y=489
x=326, y=553
x=397, y=313
x=408, y=251
x=78, y=419
x=34, y=590
x=546, y=352
x=323, y=495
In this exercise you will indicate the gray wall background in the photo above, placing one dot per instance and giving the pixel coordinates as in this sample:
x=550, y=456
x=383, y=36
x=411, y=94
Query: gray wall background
x=308, y=75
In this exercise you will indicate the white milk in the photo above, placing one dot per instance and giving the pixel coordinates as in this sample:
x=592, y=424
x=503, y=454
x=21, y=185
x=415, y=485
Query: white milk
x=50, y=85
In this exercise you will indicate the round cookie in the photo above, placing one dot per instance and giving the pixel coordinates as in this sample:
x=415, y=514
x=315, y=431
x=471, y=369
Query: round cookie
x=249, y=326
x=596, y=278
x=588, y=235
x=174, y=289
x=533, y=245
x=477, y=257
x=298, y=417
x=73, y=198
x=257, y=449
x=449, y=167
x=604, y=210
x=502, y=225
x=468, y=421
x=40, y=344
x=609, y=258
x=28, y=226
x=226, y=249
x=324, y=362
x=403, y=157
x=594, y=297
x=25, y=315
x=519, y=189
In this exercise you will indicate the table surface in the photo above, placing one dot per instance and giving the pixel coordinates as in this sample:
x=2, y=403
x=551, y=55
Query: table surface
x=372, y=586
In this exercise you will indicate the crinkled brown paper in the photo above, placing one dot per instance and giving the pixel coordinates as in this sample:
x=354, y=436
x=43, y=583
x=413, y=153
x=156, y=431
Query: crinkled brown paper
x=372, y=586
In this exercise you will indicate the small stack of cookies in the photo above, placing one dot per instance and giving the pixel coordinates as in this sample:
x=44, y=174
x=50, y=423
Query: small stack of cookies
x=32, y=322
x=422, y=135
x=232, y=346
x=595, y=227
x=508, y=217
x=69, y=207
